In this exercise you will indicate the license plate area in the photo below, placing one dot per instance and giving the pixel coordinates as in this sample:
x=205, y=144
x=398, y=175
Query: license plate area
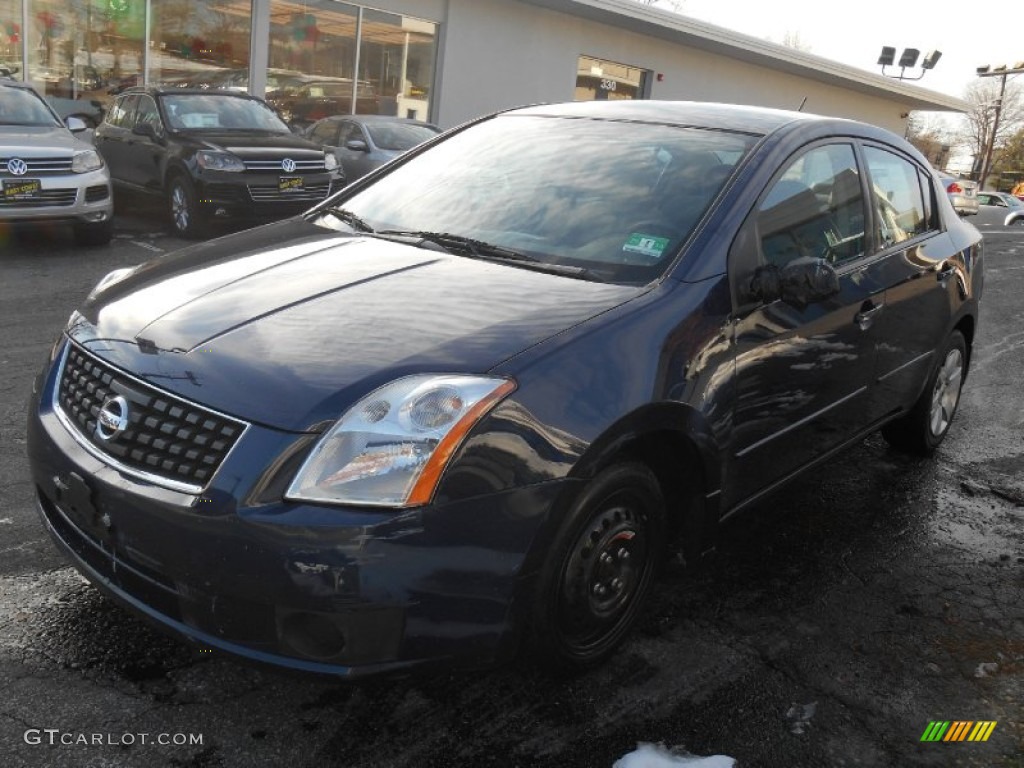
x=22, y=189
x=290, y=184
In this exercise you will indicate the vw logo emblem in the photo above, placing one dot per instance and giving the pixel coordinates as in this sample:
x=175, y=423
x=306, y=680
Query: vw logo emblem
x=17, y=166
x=287, y=165
x=112, y=418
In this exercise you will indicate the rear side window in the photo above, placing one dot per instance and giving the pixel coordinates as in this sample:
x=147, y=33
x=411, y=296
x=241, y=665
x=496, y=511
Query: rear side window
x=899, y=202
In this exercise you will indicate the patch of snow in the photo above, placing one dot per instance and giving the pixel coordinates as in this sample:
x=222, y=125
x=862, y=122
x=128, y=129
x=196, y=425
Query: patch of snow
x=658, y=756
x=986, y=668
x=800, y=715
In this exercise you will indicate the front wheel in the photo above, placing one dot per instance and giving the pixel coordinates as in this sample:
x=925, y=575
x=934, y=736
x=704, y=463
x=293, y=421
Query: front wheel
x=600, y=570
x=927, y=423
x=187, y=219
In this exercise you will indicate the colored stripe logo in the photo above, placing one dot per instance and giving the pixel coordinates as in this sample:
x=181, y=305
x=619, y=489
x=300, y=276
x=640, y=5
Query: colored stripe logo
x=958, y=730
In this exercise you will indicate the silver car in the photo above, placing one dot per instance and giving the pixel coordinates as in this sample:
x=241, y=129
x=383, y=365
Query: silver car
x=963, y=194
x=46, y=173
x=999, y=209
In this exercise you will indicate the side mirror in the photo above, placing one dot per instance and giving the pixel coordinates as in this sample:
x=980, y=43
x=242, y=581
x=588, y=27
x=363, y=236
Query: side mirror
x=145, y=129
x=357, y=145
x=800, y=282
x=75, y=124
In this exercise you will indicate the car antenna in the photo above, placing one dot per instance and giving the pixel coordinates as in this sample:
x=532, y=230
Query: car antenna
x=801, y=107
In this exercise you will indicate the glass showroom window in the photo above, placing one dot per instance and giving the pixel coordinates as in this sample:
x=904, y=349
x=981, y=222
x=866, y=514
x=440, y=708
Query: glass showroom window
x=10, y=38
x=85, y=50
x=201, y=43
x=396, y=65
x=316, y=50
x=600, y=80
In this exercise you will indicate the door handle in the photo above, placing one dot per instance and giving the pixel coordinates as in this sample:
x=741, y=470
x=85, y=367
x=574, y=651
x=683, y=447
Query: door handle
x=867, y=313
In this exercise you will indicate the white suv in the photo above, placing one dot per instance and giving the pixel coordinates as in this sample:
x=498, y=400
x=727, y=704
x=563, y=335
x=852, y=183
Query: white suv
x=46, y=173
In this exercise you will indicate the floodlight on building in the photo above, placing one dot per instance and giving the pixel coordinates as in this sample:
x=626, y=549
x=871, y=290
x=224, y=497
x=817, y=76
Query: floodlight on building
x=909, y=57
x=908, y=60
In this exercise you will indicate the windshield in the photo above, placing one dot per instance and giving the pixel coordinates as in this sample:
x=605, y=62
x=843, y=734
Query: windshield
x=20, y=106
x=202, y=111
x=616, y=199
x=399, y=136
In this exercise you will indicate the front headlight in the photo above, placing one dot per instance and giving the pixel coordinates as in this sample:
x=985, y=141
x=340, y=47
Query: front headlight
x=86, y=160
x=211, y=160
x=330, y=161
x=391, y=447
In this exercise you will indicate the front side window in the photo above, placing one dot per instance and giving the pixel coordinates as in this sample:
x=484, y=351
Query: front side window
x=146, y=113
x=814, y=210
x=897, y=195
x=615, y=199
x=326, y=132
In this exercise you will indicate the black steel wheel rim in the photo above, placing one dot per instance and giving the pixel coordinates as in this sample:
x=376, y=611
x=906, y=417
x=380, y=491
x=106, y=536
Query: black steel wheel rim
x=605, y=570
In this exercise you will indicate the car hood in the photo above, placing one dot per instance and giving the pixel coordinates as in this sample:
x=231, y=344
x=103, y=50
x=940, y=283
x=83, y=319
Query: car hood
x=288, y=324
x=245, y=143
x=38, y=141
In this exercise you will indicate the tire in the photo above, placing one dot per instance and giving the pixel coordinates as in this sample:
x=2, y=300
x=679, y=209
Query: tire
x=98, y=233
x=925, y=426
x=602, y=564
x=186, y=218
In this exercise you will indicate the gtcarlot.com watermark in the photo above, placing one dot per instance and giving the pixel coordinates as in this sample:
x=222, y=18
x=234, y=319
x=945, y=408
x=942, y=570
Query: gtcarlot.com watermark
x=57, y=737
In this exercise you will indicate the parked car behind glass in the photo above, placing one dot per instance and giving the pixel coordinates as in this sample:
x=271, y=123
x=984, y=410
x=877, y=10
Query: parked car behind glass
x=365, y=142
x=963, y=194
x=47, y=174
x=301, y=104
x=211, y=153
x=460, y=408
x=999, y=209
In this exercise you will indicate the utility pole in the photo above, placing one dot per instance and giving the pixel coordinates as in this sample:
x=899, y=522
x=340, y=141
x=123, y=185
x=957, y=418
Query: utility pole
x=1002, y=73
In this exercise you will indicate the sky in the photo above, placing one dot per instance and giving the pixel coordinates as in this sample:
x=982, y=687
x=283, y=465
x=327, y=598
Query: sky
x=854, y=33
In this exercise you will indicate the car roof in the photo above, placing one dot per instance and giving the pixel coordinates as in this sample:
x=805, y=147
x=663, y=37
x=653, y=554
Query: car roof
x=171, y=90
x=380, y=119
x=729, y=117
x=16, y=84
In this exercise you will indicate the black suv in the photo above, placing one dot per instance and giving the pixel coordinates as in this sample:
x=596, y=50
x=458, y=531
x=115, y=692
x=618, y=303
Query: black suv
x=212, y=154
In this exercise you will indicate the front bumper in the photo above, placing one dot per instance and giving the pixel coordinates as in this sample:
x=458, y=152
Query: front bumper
x=349, y=592
x=259, y=194
x=74, y=197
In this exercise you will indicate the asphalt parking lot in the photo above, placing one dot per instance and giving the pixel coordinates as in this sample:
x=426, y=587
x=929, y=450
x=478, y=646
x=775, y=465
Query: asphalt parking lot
x=837, y=620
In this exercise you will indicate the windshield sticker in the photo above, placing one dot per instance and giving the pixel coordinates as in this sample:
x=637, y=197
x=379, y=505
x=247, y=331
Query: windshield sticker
x=648, y=245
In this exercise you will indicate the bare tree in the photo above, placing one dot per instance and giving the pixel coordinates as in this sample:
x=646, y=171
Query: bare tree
x=669, y=5
x=932, y=137
x=792, y=39
x=980, y=118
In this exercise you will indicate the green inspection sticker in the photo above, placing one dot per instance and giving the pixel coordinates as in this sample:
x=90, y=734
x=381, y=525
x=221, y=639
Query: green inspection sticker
x=648, y=245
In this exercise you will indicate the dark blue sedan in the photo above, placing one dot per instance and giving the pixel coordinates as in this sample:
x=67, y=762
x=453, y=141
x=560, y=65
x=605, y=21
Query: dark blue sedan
x=465, y=406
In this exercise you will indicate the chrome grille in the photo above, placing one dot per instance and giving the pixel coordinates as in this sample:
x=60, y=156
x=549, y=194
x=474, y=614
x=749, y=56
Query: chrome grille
x=47, y=198
x=271, y=193
x=166, y=438
x=273, y=164
x=38, y=165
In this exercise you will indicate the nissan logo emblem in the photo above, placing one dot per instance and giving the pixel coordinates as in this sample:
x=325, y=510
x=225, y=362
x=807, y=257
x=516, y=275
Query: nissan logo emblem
x=17, y=167
x=287, y=165
x=112, y=418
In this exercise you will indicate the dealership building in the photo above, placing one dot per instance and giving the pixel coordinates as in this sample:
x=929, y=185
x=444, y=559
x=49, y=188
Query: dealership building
x=442, y=60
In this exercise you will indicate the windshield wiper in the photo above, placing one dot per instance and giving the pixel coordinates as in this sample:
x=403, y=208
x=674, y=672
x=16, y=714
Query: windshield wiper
x=469, y=245
x=481, y=249
x=351, y=219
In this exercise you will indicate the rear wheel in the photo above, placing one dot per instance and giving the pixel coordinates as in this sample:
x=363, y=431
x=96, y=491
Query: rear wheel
x=925, y=426
x=602, y=565
x=187, y=220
